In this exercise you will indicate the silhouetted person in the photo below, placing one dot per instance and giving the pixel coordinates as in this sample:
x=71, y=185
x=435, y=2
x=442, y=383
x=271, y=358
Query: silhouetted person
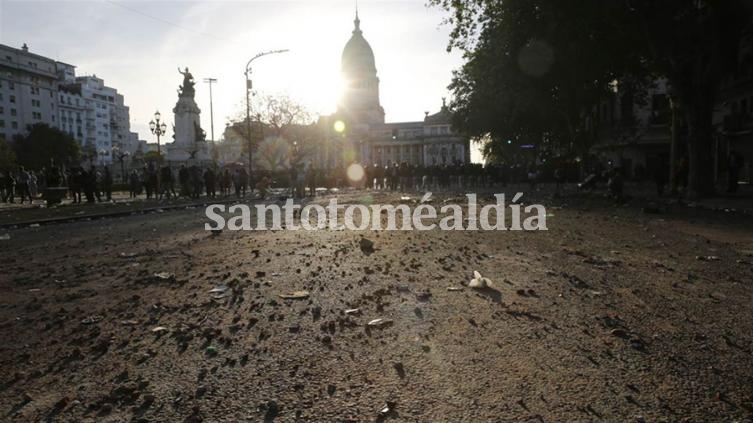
x=8, y=185
x=615, y=184
x=107, y=184
x=209, y=183
x=134, y=184
x=183, y=180
x=166, y=182
x=23, y=179
x=89, y=184
x=243, y=175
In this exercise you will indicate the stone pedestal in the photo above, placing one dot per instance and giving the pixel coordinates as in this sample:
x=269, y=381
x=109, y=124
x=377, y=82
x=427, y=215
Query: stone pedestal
x=189, y=142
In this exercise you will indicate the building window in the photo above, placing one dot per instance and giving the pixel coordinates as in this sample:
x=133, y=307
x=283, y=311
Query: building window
x=14, y=125
x=2, y=124
x=2, y=109
x=13, y=112
x=12, y=99
x=12, y=85
x=36, y=115
x=35, y=103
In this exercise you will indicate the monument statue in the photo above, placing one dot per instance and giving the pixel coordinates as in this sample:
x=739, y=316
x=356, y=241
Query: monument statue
x=187, y=89
x=189, y=139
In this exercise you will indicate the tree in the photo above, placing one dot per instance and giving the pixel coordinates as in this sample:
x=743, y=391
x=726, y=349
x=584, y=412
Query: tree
x=539, y=68
x=695, y=44
x=43, y=145
x=279, y=116
x=153, y=156
x=7, y=157
x=532, y=77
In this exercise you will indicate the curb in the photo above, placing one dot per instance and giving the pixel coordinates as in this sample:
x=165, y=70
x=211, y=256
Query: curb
x=98, y=216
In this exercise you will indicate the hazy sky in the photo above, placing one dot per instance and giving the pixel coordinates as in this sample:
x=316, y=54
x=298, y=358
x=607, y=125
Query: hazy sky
x=136, y=46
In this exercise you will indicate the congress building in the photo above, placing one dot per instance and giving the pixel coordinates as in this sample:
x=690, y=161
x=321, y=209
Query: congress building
x=357, y=132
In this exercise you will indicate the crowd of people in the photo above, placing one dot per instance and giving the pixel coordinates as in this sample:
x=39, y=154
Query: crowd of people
x=303, y=179
x=92, y=185
x=402, y=177
x=192, y=182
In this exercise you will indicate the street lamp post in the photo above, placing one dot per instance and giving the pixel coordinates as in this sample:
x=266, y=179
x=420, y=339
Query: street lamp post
x=248, y=107
x=158, y=128
x=211, y=81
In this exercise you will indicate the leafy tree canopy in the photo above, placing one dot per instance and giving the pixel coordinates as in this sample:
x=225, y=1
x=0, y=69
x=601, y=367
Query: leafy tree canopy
x=7, y=157
x=42, y=145
x=536, y=69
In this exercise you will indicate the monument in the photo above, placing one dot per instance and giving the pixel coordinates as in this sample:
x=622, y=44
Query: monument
x=189, y=139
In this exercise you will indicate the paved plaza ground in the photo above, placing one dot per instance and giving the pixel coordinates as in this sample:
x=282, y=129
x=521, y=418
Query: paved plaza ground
x=615, y=314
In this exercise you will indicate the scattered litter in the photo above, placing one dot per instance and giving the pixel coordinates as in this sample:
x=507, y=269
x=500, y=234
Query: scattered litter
x=404, y=198
x=211, y=350
x=387, y=410
x=707, y=258
x=159, y=329
x=380, y=323
x=218, y=289
x=4, y=237
x=33, y=290
x=128, y=255
x=34, y=225
x=164, y=276
x=129, y=322
x=219, y=292
x=353, y=311
x=295, y=295
x=454, y=288
x=92, y=319
x=478, y=281
x=367, y=245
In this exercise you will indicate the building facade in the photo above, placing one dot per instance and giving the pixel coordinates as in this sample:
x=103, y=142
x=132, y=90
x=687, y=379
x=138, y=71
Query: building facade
x=28, y=90
x=362, y=135
x=36, y=89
